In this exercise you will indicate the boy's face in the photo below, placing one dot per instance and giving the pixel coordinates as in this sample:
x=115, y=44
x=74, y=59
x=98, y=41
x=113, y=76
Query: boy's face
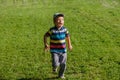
x=59, y=22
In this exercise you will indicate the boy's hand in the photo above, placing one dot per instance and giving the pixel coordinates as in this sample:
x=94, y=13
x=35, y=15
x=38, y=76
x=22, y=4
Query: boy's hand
x=47, y=48
x=70, y=47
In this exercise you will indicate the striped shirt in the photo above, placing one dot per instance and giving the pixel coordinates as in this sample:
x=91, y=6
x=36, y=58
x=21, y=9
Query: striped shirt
x=57, y=39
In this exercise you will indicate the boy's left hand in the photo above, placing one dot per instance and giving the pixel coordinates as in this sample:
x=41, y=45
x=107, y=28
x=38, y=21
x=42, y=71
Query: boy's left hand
x=70, y=47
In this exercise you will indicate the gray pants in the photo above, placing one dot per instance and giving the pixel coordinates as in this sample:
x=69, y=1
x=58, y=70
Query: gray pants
x=59, y=59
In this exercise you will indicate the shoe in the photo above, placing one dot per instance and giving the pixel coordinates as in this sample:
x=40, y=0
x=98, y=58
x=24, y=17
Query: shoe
x=55, y=70
x=62, y=77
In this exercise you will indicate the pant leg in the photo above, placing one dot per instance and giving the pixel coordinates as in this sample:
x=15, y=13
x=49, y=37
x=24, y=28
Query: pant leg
x=62, y=60
x=55, y=60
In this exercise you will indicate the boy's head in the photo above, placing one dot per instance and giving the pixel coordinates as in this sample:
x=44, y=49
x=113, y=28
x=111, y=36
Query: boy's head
x=58, y=19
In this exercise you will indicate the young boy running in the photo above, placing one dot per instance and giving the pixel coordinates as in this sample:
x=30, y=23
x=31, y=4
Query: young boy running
x=58, y=37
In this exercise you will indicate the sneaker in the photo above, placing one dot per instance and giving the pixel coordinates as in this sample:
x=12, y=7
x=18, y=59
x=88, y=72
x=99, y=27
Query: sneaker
x=55, y=70
x=62, y=77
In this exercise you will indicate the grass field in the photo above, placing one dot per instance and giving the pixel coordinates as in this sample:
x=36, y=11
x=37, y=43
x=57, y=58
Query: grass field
x=94, y=26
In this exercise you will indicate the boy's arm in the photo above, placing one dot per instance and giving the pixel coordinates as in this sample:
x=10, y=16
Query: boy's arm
x=69, y=42
x=46, y=46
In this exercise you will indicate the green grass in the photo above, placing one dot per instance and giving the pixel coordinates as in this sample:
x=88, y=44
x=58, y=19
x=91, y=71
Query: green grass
x=95, y=34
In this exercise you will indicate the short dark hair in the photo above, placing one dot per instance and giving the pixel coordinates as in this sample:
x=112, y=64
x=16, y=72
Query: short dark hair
x=56, y=15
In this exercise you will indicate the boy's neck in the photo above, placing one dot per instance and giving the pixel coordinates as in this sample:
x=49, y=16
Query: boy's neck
x=58, y=27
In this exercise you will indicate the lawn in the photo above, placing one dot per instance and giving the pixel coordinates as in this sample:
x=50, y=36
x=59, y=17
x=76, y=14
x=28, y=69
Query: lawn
x=94, y=26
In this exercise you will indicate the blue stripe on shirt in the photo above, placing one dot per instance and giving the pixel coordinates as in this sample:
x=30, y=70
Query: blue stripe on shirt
x=58, y=50
x=58, y=37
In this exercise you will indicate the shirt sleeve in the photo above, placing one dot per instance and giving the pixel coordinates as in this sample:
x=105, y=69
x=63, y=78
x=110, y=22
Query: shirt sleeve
x=67, y=33
x=49, y=32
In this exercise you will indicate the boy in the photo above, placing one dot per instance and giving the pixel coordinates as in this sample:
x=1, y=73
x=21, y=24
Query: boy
x=58, y=35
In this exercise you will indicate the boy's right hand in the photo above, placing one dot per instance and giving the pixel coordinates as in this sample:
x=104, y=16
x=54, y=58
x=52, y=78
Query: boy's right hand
x=47, y=48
